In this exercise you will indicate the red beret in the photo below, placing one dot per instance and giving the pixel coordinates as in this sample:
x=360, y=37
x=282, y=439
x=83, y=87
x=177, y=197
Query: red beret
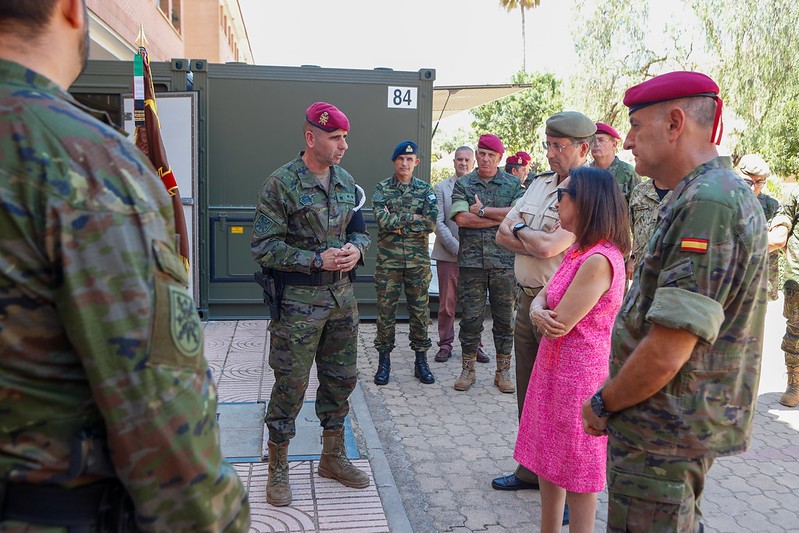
x=521, y=158
x=601, y=127
x=491, y=142
x=327, y=117
x=674, y=85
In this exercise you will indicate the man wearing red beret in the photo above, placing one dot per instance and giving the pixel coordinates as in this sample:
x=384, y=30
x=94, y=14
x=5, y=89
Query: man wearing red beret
x=604, y=153
x=518, y=165
x=480, y=201
x=304, y=238
x=687, y=343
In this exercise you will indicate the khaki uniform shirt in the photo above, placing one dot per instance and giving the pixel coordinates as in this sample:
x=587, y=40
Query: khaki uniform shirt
x=704, y=272
x=537, y=209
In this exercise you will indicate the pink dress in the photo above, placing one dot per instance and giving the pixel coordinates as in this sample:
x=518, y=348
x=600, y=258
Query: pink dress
x=551, y=441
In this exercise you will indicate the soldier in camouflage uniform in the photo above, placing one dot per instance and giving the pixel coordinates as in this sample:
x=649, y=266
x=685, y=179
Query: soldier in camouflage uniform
x=604, y=153
x=687, y=343
x=644, y=206
x=108, y=406
x=480, y=201
x=405, y=209
x=755, y=173
x=301, y=231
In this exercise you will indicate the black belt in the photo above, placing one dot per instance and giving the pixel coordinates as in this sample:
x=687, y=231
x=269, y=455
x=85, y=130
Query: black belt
x=78, y=509
x=314, y=278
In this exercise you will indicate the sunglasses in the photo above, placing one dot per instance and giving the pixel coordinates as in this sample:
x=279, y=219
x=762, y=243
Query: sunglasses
x=563, y=190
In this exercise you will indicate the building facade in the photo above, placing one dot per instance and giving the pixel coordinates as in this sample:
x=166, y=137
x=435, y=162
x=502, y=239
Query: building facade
x=213, y=30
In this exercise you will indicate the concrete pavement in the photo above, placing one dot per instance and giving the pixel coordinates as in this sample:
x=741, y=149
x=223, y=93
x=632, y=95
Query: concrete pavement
x=432, y=451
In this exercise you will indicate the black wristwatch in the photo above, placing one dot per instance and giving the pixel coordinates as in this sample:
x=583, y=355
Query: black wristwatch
x=598, y=405
x=317, y=261
x=481, y=212
x=517, y=228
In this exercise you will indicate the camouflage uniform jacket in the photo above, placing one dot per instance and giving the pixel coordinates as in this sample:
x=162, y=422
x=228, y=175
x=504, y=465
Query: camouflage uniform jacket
x=296, y=218
x=625, y=175
x=644, y=207
x=788, y=215
x=98, y=334
x=770, y=206
x=478, y=247
x=704, y=272
x=395, y=205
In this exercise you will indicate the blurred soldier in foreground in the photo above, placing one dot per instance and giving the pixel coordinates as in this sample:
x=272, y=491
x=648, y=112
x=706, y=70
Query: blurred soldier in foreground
x=405, y=209
x=604, y=153
x=304, y=238
x=480, y=201
x=108, y=406
x=687, y=343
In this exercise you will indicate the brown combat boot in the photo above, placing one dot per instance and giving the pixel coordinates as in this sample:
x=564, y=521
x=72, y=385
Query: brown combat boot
x=502, y=375
x=278, y=491
x=467, y=377
x=790, y=398
x=334, y=463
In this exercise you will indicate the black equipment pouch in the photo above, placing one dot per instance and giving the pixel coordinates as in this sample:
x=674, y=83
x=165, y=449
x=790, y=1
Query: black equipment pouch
x=273, y=290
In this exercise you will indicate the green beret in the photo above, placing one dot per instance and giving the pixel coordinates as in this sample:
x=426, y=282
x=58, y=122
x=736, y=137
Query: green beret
x=570, y=124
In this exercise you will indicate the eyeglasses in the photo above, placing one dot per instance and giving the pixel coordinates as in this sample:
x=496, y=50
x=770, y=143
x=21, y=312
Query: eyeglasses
x=558, y=148
x=752, y=183
x=563, y=190
x=600, y=140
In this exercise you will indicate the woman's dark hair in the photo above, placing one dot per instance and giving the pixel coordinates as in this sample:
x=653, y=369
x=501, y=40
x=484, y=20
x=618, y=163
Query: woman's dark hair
x=601, y=208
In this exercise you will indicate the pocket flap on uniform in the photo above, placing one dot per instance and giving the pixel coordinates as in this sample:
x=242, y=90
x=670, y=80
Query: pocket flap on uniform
x=647, y=488
x=170, y=262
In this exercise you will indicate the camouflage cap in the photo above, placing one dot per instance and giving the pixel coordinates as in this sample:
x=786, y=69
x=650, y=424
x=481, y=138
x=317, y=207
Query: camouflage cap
x=570, y=124
x=754, y=165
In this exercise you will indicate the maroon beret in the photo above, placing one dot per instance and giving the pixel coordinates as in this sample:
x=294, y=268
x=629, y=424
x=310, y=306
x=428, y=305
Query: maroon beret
x=491, y=142
x=674, y=85
x=601, y=127
x=520, y=158
x=327, y=117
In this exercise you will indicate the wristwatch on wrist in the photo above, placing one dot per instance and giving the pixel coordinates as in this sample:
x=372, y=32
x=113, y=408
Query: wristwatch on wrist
x=481, y=212
x=317, y=261
x=598, y=405
x=517, y=228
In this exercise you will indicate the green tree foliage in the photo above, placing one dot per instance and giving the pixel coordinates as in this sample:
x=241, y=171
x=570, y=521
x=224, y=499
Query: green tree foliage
x=756, y=47
x=619, y=46
x=510, y=5
x=518, y=119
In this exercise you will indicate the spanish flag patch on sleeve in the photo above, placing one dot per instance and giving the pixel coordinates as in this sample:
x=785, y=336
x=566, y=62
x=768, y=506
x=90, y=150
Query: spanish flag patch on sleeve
x=698, y=246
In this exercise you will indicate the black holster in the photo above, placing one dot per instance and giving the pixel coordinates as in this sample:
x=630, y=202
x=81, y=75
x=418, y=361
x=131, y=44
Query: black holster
x=273, y=290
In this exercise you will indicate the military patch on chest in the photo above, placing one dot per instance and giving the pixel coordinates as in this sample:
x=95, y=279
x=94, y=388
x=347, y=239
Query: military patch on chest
x=263, y=224
x=184, y=323
x=306, y=199
x=698, y=246
x=345, y=197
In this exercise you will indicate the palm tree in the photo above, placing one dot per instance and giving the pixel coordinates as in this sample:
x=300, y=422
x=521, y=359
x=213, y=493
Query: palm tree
x=510, y=5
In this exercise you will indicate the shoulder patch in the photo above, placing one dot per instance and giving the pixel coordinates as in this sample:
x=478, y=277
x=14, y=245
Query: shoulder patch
x=262, y=224
x=698, y=246
x=433, y=198
x=184, y=323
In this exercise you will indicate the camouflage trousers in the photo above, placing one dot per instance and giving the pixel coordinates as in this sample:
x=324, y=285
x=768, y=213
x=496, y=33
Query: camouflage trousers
x=388, y=284
x=790, y=310
x=653, y=493
x=326, y=331
x=473, y=285
x=774, y=275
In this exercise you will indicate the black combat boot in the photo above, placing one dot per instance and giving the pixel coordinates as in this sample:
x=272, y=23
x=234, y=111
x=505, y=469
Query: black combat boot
x=421, y=370
x=383, y=368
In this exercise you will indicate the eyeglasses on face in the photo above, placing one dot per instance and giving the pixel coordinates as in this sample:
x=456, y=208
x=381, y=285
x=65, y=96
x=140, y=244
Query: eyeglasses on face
x=601, y=140
x=752, y=183
x=564, y=190
x=555, y=146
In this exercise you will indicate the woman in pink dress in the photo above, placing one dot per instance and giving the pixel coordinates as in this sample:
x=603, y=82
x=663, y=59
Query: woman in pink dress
x=575, y=313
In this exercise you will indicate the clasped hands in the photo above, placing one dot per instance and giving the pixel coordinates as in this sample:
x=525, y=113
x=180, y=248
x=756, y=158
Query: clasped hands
x=341, y=259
